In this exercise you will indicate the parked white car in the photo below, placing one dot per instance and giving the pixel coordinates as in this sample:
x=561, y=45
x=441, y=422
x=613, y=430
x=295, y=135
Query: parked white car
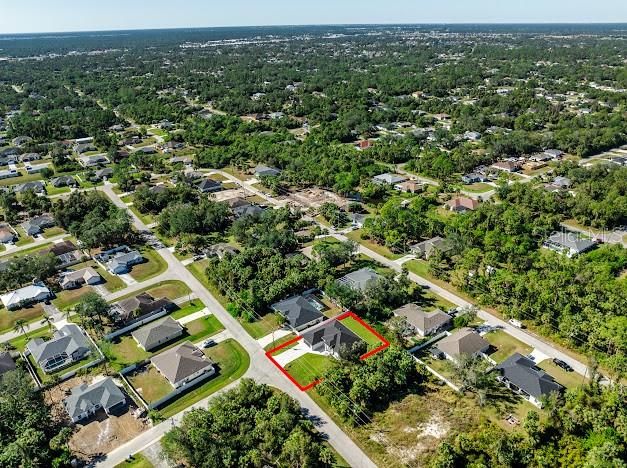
x=516, y=323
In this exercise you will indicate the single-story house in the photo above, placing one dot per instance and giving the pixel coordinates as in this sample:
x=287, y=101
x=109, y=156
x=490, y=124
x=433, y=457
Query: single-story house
x=7, y=235
x=521, y=375
x=36, y=186
x=27, y=157
x=421, y=322
x=21, y=140
x=221, y=250
x=472, y=178
x=35, y=168
x=66, y=252
x=157, y=333
x=388, y=179
x=122, y=261
x=360, y=279
x=85, y=400
x=463, y=341
x=182, y=364
x=6, y=159
x=266, y=171
x=568, y=243
x=64, y=181
x=75, y=279
x=554, y=153
x=246, y=210
x=141, y=305
x=93, y=160
x=185, y=160
x=148, y=150
x=562, y=182
x=410, y=186
x=472, y=136
x=36, y=225
x=300, y=311
x=209, y=185
x=462, y=204
x=426, y=248
x=67, y=345
x=7, y=363
x=621, y=161
x=10, y=172
x=81, y=148
x=27, y=295
x=101, y=174
x=507, y=166
x=329, y=337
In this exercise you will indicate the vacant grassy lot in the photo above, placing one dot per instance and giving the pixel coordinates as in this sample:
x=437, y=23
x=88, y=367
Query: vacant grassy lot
x=309, y=367
x=69, y=298
x=21, y=179
x=478, y=187
x=232, y=362
x=150, y=384
x=279, y=342
x=153, y=266
x=362, y=332
x=53, y=231
x=505, y=345
x=8, y=317
x=259, y=328
x=378, y=248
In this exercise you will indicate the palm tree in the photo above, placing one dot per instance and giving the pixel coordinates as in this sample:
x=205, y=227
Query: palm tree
x=47, y=320
x=20, y=326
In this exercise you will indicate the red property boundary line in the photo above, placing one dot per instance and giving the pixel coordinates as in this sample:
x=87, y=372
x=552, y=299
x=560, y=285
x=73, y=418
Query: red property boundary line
x=384, y=344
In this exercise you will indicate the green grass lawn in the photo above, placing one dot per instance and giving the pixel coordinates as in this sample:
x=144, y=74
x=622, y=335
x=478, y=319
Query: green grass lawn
x=232, y=361
x=203, y=327
x=29, y=251
x=136, y=461
x=153, y=266
x=24, y=238
x=124, y=351
x=150, y=384
x=69, y=298
x=53, y=231
x=505, y=345
x=52, y=190
x=112, y=282
x=279, y=342
x=9, y=317
x=157, y=131
x=21, y=179
x=259, y=328
x=362, y=332
x=378, y=248
x=309, y=367
x=478, y=187
x=188, y=308
x=567, y=379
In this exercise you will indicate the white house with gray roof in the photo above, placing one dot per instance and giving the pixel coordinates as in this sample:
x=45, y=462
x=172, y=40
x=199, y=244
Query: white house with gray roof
x=521, y=375
x=25, y=296
x=568, y=243
x=421, y=322
x=158, y=333
x=67, y=346
x=360, y=279
x=85, y=400
x=183, y=364
x=300, y=312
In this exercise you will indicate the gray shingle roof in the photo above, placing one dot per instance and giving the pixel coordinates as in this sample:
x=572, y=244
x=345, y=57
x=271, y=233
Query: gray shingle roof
x=180, y=362
x=422, y=320
x=333, y=333
x=157, y=332
x=360, y=279
x=524, y=373
x=68, y=339
x=463, y=341
x=298, y=311
x=6, y=363
x=84, y=398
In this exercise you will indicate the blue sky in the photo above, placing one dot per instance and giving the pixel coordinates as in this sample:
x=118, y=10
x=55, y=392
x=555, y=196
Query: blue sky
x=18, y=16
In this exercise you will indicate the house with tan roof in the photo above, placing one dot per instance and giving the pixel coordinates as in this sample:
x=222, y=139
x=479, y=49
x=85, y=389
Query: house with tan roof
x=463, y=341
x=183, y=364
x=421, y=322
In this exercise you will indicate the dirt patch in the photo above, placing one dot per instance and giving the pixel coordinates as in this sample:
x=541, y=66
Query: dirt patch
x=101, y=433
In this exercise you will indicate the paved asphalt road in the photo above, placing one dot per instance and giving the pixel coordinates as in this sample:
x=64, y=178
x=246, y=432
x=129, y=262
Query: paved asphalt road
x=261, y=370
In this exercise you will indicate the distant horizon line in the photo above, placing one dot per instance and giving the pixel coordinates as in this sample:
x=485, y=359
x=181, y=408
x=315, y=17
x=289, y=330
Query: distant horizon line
x=453, y=23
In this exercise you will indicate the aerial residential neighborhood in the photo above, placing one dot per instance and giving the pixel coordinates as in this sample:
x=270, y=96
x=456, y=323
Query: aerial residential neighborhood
x=313, y=246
